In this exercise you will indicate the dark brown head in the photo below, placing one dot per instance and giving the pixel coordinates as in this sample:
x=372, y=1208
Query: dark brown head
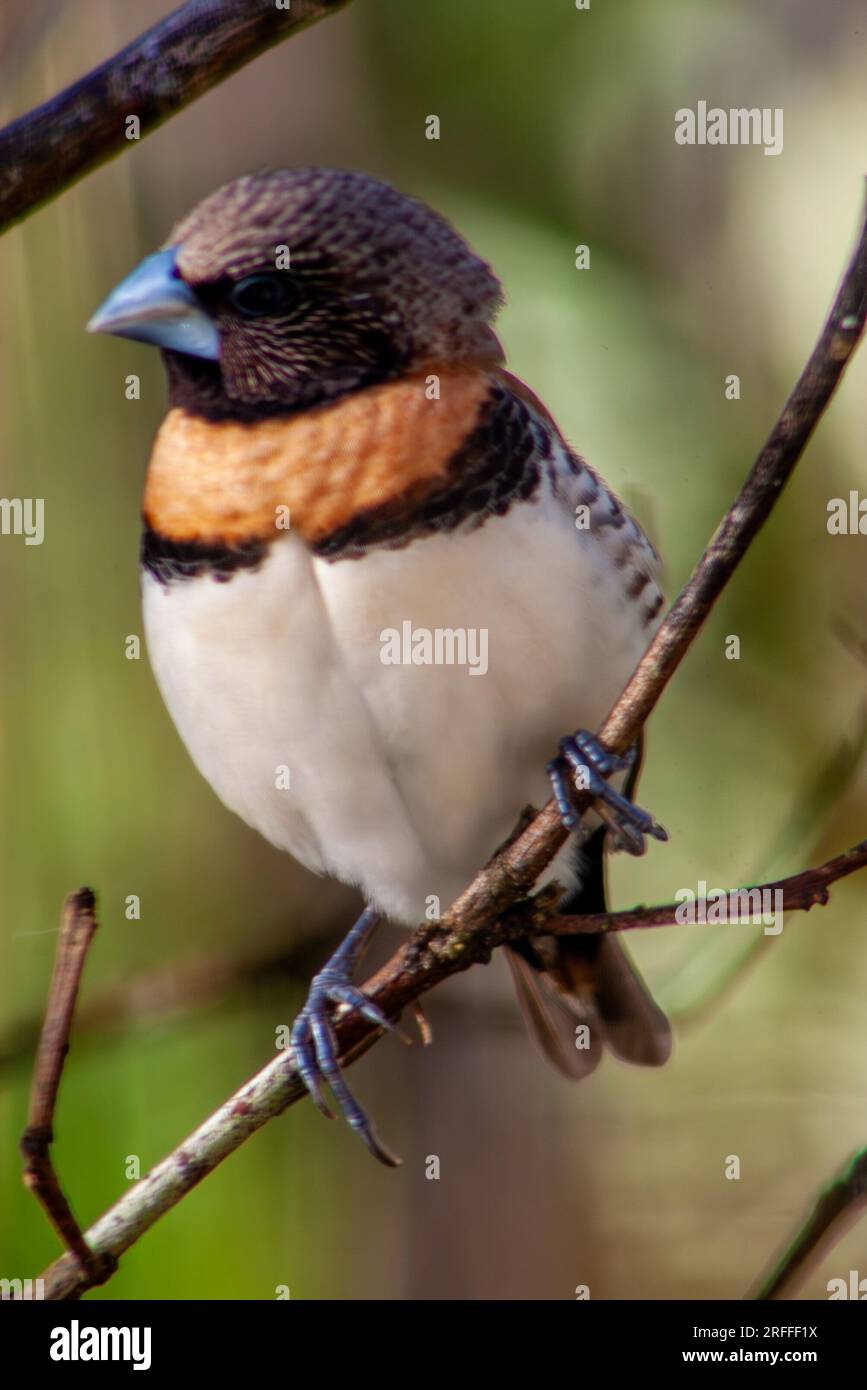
x=291, y=287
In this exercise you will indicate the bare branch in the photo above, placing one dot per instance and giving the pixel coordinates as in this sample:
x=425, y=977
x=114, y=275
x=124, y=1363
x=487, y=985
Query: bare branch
x=77, y=930
x=180, y=58
x=800, y=892
x=496, y=907
x=835, y=1211
x=820, y=796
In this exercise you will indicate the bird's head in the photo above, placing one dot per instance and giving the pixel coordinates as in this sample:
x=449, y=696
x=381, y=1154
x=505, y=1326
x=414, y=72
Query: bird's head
x=289, y=288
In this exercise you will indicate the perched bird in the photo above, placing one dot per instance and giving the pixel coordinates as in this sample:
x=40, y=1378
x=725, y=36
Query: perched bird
x=378, y=584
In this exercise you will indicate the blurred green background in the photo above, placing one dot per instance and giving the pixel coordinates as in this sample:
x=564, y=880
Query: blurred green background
x=557, y=128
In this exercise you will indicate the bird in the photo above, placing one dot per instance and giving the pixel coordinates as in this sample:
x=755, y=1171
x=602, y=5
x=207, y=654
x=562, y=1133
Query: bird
x=380, y=587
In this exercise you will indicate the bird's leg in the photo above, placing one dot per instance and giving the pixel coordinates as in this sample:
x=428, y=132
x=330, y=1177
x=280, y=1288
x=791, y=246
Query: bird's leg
x=313, y=1039
x=585, y=764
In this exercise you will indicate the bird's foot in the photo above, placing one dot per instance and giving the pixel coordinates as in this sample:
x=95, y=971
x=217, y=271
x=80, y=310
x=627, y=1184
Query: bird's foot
x=314, y=1042
x=583, y=763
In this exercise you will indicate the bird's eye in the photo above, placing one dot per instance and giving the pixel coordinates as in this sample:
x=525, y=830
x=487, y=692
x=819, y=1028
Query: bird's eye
x=258, y=295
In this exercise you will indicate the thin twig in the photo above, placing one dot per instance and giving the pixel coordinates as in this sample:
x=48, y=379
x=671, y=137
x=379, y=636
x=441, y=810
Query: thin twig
x=77, y=930
x=836, y=1209
x=496, y=907
x=826, y=790
x=180, y=58
x=800, y=892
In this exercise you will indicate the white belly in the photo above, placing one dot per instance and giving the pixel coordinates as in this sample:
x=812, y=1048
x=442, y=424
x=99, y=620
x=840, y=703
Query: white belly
x=402, y=778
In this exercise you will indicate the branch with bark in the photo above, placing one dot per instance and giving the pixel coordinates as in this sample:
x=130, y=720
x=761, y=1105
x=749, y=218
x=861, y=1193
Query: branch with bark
x=799, y=892
x=498, y=905
x=835, y=1210
x=77, y=930
x=163, y=70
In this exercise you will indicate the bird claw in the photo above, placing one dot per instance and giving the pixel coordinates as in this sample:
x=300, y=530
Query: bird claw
x=314, y=1042
x=582, y=754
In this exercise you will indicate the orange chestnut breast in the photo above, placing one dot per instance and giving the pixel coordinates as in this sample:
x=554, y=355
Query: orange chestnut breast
x=220, y=481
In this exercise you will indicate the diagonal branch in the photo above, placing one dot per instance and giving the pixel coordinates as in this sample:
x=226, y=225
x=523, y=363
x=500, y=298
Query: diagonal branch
x=163, y=70
x=835, y=1210
x=496, y=908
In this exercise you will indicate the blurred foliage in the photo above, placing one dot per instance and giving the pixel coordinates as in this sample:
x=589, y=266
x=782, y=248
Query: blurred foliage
x=556, y=129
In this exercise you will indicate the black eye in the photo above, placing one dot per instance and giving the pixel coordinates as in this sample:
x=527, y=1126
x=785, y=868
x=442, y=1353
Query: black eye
x=258, y=295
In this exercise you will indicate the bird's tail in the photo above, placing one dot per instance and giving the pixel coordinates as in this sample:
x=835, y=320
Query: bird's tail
x=582, y=993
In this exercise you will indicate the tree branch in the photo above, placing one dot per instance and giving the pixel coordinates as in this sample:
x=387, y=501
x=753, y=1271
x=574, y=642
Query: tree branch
x=77, y=930
x=180, y=58
x=835, y=1211
x=800, y=892
x=819, y=796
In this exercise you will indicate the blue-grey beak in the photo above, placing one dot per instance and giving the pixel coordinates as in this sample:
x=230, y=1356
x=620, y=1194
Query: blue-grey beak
x=153, y=305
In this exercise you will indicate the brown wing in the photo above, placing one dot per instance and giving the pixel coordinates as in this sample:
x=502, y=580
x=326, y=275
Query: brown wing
x=553, y=1016
x=633, y=1025
x=591, y=981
